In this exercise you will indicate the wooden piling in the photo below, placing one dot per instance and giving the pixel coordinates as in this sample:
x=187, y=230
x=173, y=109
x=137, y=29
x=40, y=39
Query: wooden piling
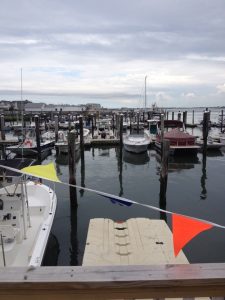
x=69, y=122
x=92, y=125
x=71, y=162
x=2, y=127
x=130, y=116
x=162, y=130
x=163, y=177
x=138, y=120
x=193, y=117
x=172, y=115
x=38, y=142
x=185, y=118
x=121, y=130
x=81, y=136
x=45, y=122
x=221, y=125
x=56, y=118
x=179, y=116
x=2, y=124
x=113, y=123
x=205, y=131
x=167, y=115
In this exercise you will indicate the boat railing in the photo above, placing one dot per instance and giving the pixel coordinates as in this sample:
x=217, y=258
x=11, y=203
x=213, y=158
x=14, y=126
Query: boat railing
x=113, y=282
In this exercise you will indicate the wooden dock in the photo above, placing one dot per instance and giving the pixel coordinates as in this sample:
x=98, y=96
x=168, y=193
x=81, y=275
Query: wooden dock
x=137, y=241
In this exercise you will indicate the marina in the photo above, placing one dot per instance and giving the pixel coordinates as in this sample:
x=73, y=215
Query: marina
x=105, y=167
x=112, y=150
x=135, y=176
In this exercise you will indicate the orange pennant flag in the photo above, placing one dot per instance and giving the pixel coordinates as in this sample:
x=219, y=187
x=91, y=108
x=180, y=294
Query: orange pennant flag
x=185, y=229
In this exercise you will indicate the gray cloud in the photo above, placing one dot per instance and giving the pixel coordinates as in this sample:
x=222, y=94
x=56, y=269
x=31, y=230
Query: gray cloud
x=92, y=40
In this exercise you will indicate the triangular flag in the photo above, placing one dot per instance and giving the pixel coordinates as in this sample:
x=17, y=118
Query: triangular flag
x=185, y=229
x=42, y=171
x=121, y=202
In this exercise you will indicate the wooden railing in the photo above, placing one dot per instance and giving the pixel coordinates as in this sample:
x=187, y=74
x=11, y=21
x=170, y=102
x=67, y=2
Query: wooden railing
x=114, y=282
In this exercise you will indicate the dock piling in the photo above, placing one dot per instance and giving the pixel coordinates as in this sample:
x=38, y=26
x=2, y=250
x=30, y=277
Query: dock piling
x=121, y=131
x=81, y=136
x=221, y=125
x=92, y=125
x=3, y=135
x=37, y=132
x=71, y=162
x=138, y=122
x=205, y=131
x=172, y=115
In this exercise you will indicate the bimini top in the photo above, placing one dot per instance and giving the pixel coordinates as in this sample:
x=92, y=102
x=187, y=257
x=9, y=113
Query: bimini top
x=177, y=137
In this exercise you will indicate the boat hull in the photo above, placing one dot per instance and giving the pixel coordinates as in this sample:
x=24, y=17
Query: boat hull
x=27, y=249
x=63, y=147
x=136, y=143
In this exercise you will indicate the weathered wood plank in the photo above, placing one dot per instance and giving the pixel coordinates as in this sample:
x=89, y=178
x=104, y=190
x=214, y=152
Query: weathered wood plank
x=137, y=241
x=114, y=282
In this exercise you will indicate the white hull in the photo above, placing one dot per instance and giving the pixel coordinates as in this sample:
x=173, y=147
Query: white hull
x=136, y=143
x=63, y=147
x=26, y=150
x=25, y=244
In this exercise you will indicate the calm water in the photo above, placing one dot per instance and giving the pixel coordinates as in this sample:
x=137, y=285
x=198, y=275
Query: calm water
x=192, y=190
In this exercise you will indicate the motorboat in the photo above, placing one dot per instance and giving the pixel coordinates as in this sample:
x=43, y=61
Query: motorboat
x=212, y=143
x=180, y=141
x=28, y=148
x=27, y=211
x=136, y=143
x=62, y=143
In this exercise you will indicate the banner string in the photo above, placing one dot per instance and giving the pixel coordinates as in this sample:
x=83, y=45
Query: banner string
x=121, y=200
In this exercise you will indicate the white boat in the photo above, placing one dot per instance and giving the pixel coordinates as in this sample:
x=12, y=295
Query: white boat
x=62, y=143
x=26, y=215
x=48, y=136
x=212, y=144
x=218, y=137
x=136, y=143
x=29, y=147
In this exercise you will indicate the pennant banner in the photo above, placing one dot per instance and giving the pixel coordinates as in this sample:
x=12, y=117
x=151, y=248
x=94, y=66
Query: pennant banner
x=185, y=229
x=121, y=202
x=43, y=171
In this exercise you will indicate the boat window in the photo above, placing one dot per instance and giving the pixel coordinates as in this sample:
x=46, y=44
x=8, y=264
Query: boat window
x=1, y=204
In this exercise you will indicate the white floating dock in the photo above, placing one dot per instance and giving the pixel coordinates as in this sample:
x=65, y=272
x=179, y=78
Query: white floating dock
x=137, y=241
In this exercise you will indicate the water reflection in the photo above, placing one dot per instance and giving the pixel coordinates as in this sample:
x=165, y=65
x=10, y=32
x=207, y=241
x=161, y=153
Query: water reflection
x=162, y=197
x=177, y=163
x=82, y=173
x=62, y=158
x=136, y=159
x=52, y=251
x=203, y=195
x=73, y=227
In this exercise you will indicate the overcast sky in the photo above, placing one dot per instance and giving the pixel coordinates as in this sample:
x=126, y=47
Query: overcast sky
x=100, y=51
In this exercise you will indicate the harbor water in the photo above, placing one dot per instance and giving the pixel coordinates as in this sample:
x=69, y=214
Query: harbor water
x=194, y=189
